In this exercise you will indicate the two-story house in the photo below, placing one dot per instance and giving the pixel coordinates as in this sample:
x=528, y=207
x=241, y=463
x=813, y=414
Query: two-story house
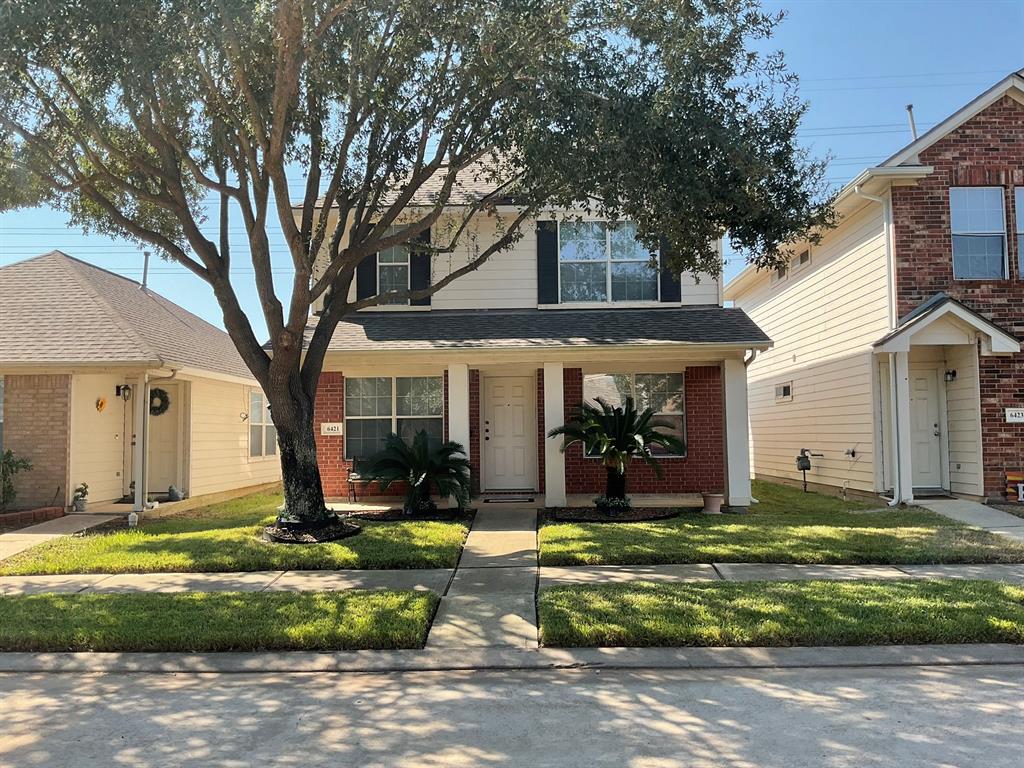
x=575, y=310
x=896, y=355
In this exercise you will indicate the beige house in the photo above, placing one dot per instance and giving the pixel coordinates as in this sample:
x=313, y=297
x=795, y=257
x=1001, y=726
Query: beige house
x=106, y=383
x=897, y=359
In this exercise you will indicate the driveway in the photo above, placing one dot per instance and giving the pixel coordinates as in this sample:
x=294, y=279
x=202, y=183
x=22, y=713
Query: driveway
x=909, y=717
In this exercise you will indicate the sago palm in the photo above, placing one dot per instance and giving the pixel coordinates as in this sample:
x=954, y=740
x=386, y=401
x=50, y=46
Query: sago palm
x=618, y=435
x=423, y=465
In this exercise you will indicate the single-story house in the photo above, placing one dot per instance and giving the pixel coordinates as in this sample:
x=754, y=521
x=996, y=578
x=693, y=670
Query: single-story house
x=104, y=382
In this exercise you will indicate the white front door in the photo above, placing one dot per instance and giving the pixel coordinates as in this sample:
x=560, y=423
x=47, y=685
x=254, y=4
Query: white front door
x=925, y=427
x=509, y=434
x=164, y=435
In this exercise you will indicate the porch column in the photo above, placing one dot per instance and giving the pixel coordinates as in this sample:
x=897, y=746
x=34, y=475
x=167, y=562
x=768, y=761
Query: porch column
x=904, y=447
x=140, y=406
x=458, y=404
x=737, y=434
x=554, y=416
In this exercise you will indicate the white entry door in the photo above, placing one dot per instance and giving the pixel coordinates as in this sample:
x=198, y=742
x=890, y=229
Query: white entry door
x=509, y=434
x=925, y=428
x=164, y=436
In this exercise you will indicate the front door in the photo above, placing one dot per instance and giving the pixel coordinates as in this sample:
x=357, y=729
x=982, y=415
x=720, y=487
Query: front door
x=164, y=442
x=509, y=434
x=925, y=430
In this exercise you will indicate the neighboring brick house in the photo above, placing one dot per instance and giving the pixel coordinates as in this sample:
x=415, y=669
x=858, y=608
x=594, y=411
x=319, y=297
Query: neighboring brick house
x=897, y=354
x=81, y=349
x=573, y=311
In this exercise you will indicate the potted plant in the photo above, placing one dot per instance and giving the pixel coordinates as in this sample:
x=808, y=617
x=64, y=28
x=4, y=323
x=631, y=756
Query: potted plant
x=618, y=435
x=713, y=503
x=424, y=465
x=78, y=500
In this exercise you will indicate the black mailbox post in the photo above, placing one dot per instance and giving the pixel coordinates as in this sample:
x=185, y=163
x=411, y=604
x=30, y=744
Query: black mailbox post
x=803, y=463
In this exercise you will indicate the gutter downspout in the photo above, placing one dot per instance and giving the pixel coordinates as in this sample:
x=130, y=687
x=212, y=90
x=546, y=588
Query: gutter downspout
x=890, y=272
x=144, y=474
x=746, y=366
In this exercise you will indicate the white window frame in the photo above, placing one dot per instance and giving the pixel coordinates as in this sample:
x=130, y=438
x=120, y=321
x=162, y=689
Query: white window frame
x=795, y=265
x=1018, y=209
x=608, y=262
x=395, y=418
x=1003, y=233
x=779, y=275
x=780, y=392
x=632, y=387
x=265, y=421
x=407, y=264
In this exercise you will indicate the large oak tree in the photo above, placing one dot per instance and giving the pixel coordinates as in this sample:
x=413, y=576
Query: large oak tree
x=327, y=117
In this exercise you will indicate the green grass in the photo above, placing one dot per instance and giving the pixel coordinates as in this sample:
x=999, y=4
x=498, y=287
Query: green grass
x=788, y=526
x=782, y=613
x=216, y=621
x=226, y=537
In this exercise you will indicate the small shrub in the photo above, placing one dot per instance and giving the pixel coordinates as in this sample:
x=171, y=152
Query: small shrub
x=10, y=465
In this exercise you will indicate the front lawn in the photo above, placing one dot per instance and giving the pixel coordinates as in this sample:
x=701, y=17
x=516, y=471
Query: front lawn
x=220, y=621
x=226, y=537
x=782, y=613
x=788, y=526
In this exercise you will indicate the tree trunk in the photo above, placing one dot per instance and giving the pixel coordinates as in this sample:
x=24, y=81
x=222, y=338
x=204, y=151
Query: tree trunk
x=616, y=486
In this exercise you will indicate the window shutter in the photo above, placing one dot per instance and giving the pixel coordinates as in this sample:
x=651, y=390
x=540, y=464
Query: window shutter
x=547, y=262
x=671, y=289
x=419, y=269
x=366, y=277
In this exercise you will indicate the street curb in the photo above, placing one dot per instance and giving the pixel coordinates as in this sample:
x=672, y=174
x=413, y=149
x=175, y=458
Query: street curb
x=474, y=659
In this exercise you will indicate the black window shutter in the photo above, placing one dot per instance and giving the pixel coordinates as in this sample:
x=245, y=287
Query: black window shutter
x=671, y=290
x=547, y=262
x=366, y=277
x=419, y=269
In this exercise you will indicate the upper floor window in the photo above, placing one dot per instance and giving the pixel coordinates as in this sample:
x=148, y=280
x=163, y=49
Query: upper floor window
x=379, y=405
x=262, y=432
x=1019, y=207
x=802, y=259
x=978, y=227
x=603, y=262
x=393, y=269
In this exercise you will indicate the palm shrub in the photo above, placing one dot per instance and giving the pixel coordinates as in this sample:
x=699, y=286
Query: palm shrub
x=423, y=465
x=618, y=435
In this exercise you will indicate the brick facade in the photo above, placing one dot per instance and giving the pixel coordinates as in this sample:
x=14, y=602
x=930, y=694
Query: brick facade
x=986, y=150
x=702, y=469
x=37, y=427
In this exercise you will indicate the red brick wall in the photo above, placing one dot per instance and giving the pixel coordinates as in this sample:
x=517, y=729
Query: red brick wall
x=987, y=150
x=37, y=411
x=703, y=469
x=474, y=428
x=330, y=449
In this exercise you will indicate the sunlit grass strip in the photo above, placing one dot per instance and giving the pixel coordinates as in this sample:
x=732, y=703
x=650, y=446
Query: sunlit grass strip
x=223, y=621
x=782, y=613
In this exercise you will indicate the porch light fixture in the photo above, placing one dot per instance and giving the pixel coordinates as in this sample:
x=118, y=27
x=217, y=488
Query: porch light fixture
x=949, y=376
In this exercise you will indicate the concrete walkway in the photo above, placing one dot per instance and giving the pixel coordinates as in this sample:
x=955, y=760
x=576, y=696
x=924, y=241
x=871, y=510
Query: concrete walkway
x=978, y=515
x=18, y=541
x=491, y=601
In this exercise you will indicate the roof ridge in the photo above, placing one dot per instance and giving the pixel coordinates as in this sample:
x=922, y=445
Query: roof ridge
x=91, y=290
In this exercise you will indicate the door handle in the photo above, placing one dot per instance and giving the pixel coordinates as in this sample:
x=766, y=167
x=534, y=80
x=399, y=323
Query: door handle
x=936, y=430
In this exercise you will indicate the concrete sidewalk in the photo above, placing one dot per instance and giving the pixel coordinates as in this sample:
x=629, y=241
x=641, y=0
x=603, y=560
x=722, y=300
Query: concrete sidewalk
x=492, y=599
x=978, y=515
x=18, y=541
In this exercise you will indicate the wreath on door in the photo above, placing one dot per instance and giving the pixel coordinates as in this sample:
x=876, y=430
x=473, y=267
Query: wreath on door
x=159, y=401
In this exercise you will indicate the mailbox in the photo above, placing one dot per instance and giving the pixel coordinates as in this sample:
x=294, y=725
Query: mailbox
x=803, y=462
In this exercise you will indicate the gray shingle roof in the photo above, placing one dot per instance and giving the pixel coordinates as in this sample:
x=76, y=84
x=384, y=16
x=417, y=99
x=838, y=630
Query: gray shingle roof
x=526, y=328
x=55, y=309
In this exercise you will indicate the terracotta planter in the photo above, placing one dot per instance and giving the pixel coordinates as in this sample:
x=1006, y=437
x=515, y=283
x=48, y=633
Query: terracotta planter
x=713, y=503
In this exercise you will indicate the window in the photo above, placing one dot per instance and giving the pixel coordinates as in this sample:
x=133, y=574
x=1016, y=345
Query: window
x=262, y=432
x=393, y=269
x=1019, y=206
x=661, y=391
x=779, y=273
x=978, y=226
x=377, y=406
x=599, y=260
x=802, y=259
x=784, y=392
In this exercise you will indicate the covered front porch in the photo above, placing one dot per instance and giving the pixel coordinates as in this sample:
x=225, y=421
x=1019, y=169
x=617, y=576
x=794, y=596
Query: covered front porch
x=929, y=415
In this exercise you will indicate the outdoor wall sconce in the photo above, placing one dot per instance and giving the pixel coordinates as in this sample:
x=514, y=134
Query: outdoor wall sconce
x=123, y=391
x=949, y=376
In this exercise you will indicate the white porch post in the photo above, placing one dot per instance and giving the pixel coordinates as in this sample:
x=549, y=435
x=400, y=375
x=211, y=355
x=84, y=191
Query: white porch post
x=140, y=406
x=554, y=416
x=737, y=435
x=901, y=416
x=458, y=404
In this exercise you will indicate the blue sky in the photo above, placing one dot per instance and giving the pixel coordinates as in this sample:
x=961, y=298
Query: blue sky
x=860, y=63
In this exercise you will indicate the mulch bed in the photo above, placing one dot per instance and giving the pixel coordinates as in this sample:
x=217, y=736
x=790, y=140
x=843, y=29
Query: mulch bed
x=398, y=516
x=1013, y=509
x=332, y=531
x=635, y=515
